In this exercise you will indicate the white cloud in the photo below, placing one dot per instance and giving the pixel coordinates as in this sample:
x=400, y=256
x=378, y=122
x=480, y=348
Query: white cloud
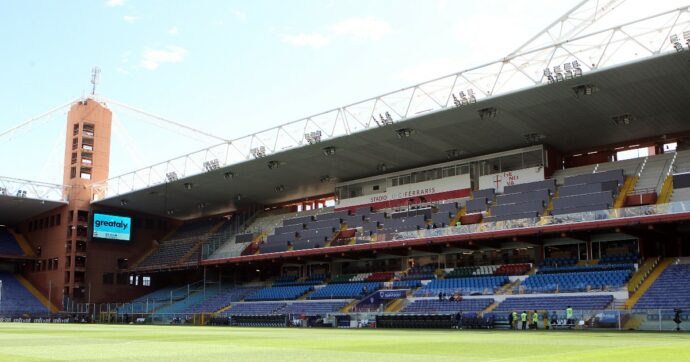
x=241, y=15
x=314, y=40
x=153, y=58
x=369, y=28
x=173, y=31
x=114, y=3
x=122, y=70
x=130, y=18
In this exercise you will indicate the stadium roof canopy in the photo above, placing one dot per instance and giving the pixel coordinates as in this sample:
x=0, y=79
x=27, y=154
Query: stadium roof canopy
x=21, y=199
x=653, y=92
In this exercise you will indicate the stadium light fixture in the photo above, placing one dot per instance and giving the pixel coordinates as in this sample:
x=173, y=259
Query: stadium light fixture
x=549, y=77
x=329, y=151
x=273, y=164
x=228, y=175
x=313, y=137
x=686, y=36
x=171, y=176
x=404, y=132
x=577, y=69
x=211, y=165
x=487, y=113
x=202, y=205
x=382, y=167
x=170, y=211
x=584, y=90
x=238, y=197
x=622, y=120
x=534, y=138
x=568, y=71
x=456, y=101
x=558, y=72
x=124, y=202
x=279, y=188
x=676, y=43
x=188, y=185
x=453, y=153
x=258, y=152
x=471, y=97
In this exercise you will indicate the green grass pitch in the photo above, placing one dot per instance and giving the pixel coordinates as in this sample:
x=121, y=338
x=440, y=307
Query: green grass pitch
x=33, y=342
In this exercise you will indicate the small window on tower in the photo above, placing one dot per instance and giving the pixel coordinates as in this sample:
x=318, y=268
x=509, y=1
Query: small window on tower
x=85, y=173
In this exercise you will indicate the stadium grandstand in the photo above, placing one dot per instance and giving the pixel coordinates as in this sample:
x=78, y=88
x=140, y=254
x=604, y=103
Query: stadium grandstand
x=455, y=202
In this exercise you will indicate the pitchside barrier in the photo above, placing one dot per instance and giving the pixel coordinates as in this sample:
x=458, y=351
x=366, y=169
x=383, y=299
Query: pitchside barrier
x=610, y=319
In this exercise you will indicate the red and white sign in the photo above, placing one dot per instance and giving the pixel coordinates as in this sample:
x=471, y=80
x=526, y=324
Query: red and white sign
x=434, y=190
x=499, y=180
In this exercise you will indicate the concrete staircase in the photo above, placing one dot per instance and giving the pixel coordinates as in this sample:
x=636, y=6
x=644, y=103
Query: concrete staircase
x=628, y=186
x=648, y=282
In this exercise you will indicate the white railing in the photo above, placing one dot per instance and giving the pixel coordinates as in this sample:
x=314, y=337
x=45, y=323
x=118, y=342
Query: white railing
x=32, y=189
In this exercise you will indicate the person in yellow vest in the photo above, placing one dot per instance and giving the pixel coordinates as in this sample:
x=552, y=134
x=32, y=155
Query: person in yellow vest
x=569, y=316
x=514, y=321
x=535, y=319
x=523, y=319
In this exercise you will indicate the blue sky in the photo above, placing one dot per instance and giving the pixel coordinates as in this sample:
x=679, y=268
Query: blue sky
x=230, y=67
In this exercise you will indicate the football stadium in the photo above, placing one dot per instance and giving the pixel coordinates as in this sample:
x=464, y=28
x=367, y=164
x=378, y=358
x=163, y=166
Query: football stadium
x=536, y=207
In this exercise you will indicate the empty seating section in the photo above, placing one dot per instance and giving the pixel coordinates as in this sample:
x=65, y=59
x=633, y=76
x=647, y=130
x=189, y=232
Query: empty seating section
x=505, y=269
x=404, y=224
x=380, y=276
x=191, y=300
x=255, y=308
x=522, y=201
x=407, y=284
x=584, y=268
x=555, y=303
x=279, y=293
x=627, y=258
x=589, y=191
x=682, y=162
x=194, y=228
x=654, y=173
x=558, y=262
x=220, y=300
x=548, y=185
x=285, y=280
x=420, y=273
x=312, y=308
x=423, y=211
x=445, y=306
x=477, y=204
x=169, y=252
x=670, y=290
x=17, y=300
x=471, y=285
x=8, y=244
x=681, y=187
x=450, y=207
x=345, y=290
x=512, y=269
x=230, y=249
x=576, y=282
x=180, y=243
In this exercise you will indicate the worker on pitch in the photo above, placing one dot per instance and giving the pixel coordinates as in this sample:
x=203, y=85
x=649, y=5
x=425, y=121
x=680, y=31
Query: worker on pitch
x=523, y=319
x=535, y=319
